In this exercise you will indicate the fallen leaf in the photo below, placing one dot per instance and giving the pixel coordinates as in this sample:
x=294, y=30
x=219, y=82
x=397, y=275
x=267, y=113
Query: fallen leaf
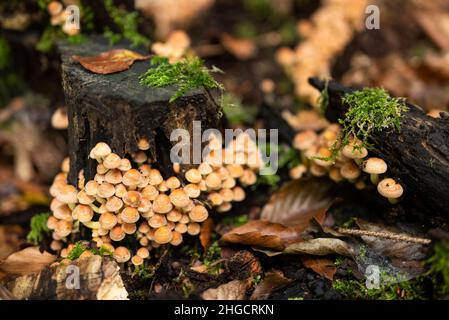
x=110, y=61
x=234, y=290
x=11, y=236
x=299, y=201
x=391, y=248
x=262, y=234
x=242, y=49
x=26, y=261
x=317, y=247
x=324, y=267
x=271, y=282
x=206, y=232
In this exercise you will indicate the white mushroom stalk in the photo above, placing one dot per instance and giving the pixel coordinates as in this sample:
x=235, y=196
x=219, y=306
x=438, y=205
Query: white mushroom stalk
x=129, y=197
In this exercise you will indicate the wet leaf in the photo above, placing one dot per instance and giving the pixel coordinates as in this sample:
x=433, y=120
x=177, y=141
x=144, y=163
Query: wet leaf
x=317, y=247
x=299, y=201
x=26, y=261
x=271, y=282
x=110, y=61
x=234, y=290
x=206, y=232
x=11, y=237
x=324, y=267
x=262, y=234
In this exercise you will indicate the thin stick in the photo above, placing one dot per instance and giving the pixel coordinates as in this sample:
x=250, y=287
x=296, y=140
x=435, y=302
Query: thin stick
x=384, y=234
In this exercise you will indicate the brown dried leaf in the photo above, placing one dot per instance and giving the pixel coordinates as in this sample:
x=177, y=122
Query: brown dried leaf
x=317, y=247
x=11, y=236
x=26, y=261
x=262, y=234
x=271, y=282
x=299, y=201
x=234, y=290
x=111, y=61
x=324, y=267
x=206, y=231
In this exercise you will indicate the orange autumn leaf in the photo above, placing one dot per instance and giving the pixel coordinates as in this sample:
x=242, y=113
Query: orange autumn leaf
x=263, y=234
x=110, y=61
x=206, y=232
x=324, y=267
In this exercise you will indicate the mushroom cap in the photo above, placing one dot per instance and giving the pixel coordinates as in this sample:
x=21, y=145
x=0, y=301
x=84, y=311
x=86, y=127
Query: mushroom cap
x=117, y=233
x=179, y=198
x=150, y=192
x=198, y=214
x=63, y=228
x=114, y=204
x=65, y=165
x=374, y=166
x=100, y=150
x=101, y=169
x=229, y=183
x=354, y=150
x=192, y=190
x=390, y=188
x=163, y=235
x=173, y=183
x=121, y=254
x=83, y=213
x=174, y=215
x=350, y=170
x=193, y=176
x=112, y=161
x=215, y=198
x=193, y=228
x=143, y=253
x=181, y=227
x=51, y=222
x=238, y=194
x=248, y=178
x=144, y=227
x=158, y=220
x=140, y=157
x=130, y=215
x=120, y=190
x=125, y=165
x=129, y=228
x=143, y=144
x=84, y=198
x=113, y=176
x=305, y=139
x=317, y=170
x=297, y=171
x=335, y=174
x=63, y=213
x=155, y=177
x=55, y=203
x=204, y=168
x=145, y=205
x=54, y=8
x=136, y=260
x=224, y=207
x=213, y=181
x=162, y=204
x=235, y=170
x=67, y=194
x=227, y=194
x=176, y=238
x=162, y=187
x=323, y=152
x=108, y=220
x=131, y=177
x=106, y=190
x=132, y=198
x=91, y=188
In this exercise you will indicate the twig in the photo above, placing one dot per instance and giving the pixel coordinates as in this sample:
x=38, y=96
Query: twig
x=384, y=234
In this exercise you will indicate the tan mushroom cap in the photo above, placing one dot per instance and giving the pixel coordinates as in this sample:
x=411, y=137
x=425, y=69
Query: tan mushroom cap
x=120, y=190
x=108, y=220
x=143, y=253
x=181, y=227
x=91, y=188
x=179, y=198
x=192, y=190
x=193, y=228
x=132, y=198
x=374, y=166
x=227, y=194
x=106, y=190
x=129, y=228
x=390, y=188
x=224, y=207
x=67, y=194
x=100, y=150
x=213, y=181
x=215, y=199
x=83, y=213
x=143, y=144
x=158, y=220
x=114, y=204
x=204, y=169
x=335, y=174
x=248, y=178
x=297, y=172
x=155, y=177
x=174, y=215
x=144, y=227
x=84, y=198
x=101, y=169
x=130, y=215
x=238, y=194
x=229, y=183
x=54, y=8
x=51, y=222
x=112, y=161
x=125, y=165
x=193, y=176
x=131, y=177
x=140, y=157
x=198, y=214
x=162, y=235
x=63, y=228
x=145, y=205
x=350, y=170
x=323, y=153
x=173, y=183
x=354, y=150
x=63, y=213
x=305, y=139
x=150, y=192
x=113, y=176
x=176, y=167
x=117, y=233
x=121, y=254
x=235, y=170
x=176, y=238
x=162, y=204
x=162, y=187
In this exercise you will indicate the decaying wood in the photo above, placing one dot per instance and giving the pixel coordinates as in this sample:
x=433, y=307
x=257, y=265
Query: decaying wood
x=99, y=279
x=116, y=109
x=417, y=155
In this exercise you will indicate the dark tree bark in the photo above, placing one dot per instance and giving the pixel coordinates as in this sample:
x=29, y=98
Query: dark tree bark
x=417, y=155
x=118, y=110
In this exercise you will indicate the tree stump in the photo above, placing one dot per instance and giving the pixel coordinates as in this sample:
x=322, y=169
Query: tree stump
x=417, y=155
x=118, y=110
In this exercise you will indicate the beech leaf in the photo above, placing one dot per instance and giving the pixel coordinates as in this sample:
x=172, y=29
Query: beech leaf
x=324, y=267
x=26, y=261
x=271, y=282
x=263, y=234
x=110, y=61
x=299, y=201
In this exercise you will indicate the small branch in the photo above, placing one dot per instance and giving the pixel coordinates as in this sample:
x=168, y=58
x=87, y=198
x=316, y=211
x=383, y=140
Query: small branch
x=384, y=234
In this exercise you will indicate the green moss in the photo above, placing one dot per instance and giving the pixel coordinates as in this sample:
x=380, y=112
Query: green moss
x=187, y=75
x=38, y=227
x=237, y=113
x=77, y=250
x=438, y=265
x=323, y=99
x=127, y=22
x=212, y=255
x=235, y=220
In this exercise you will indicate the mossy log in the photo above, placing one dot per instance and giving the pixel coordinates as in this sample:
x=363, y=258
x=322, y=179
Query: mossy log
x=118, y=110
x=417, y=155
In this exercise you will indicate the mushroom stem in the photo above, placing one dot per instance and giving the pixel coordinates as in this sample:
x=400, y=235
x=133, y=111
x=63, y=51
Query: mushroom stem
x=358, y=161
x=374, y=178
x=393, y=200
x=71, y=206
x=100, y=200
x=94, y=208
x=92, y=224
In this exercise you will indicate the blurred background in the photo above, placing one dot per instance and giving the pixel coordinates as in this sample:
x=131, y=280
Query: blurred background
x=266, y=48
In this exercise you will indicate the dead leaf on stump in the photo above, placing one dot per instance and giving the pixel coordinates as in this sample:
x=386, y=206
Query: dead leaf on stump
x=26, y=261
x=110, y=61
x=234, y=290
x=262, y=234
x=324, y=267
x=271, y=282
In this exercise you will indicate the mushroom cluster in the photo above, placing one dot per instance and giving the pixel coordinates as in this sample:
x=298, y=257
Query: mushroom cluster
x=349, y=164
x=130, y=197
x=58, y=17
x=174, y=48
